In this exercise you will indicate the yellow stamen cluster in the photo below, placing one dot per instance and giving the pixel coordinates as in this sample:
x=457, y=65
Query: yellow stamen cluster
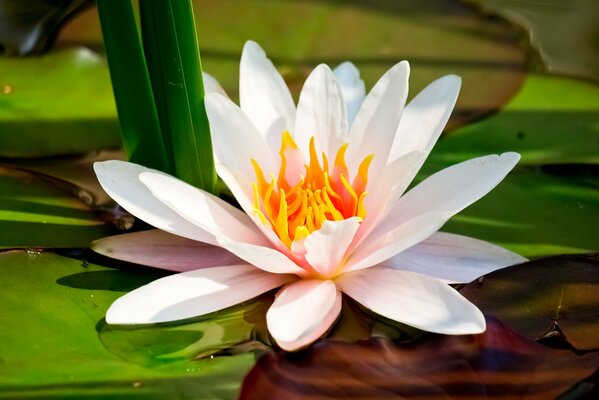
x=320, y=195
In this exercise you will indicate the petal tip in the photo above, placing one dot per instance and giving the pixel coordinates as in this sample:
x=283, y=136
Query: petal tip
x=254, y=47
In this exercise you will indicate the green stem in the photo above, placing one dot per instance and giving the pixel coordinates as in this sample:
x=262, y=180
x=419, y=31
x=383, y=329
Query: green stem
x=173, y=58
x=140, y=127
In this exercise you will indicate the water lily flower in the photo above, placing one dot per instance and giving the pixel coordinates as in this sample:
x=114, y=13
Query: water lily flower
x=324, y=209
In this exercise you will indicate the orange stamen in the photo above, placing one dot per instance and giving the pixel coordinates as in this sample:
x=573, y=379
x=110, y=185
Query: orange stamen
x=295, y=211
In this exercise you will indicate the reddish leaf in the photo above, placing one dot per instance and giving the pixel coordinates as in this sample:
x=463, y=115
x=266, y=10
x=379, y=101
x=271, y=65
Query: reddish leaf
x=545, y=297
x=499, y=364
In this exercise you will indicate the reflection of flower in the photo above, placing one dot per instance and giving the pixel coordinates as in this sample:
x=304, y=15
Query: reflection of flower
x=322, y=187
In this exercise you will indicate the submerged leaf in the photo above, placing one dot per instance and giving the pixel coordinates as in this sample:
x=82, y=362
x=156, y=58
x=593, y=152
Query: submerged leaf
x=498, y=364
x=539, y=297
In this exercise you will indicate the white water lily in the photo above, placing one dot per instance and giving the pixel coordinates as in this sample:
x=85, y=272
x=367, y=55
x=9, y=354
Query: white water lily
x=325, y=209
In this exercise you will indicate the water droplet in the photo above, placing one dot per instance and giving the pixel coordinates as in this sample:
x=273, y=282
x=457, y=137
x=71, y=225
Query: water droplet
x=7, y=89
x=34, y=250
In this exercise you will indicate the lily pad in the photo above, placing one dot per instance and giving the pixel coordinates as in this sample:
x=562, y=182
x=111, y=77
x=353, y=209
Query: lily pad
x=38, y=211
x=497, y=364
x=535, y=214
x=552, y=120
x=31, y=27
x=76, y=169
x=564, y=33
x=559, y=295
x=60, y=103
x=54, y=343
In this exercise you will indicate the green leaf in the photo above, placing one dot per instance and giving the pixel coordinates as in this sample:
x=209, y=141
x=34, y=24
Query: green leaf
x=60, y=103
x=173, y=58
x=36, y=211
x=552, y=120
x=551, y=297
x=55, y=344
x=138, y=118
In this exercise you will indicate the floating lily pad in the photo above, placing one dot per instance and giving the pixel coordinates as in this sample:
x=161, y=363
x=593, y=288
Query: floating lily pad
x=552, y=120
x=77, y=170
x=54, y=343
x=60, y=103
x=564, y=33
x=438, y=37
x=535, y=214
x=498, y=364
x=548, y=204
x=37, y=211
x=534, y=297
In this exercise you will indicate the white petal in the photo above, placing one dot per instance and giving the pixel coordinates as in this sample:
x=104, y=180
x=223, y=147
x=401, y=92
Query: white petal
x=321, y=113
x=375, y=249
x=203, y=209
x=302, y=312
x=454, y=258
x=120, y=180
x=413, y=299
x=375, y=125
x=425, y=117
x=326, y=247
x=192, y=293
x=352, y=87
x=264, y=96
x=264, y=257
x=432, y=203
x=156, y=248
x=451, y=189
x=235, y=139
x=211, y=85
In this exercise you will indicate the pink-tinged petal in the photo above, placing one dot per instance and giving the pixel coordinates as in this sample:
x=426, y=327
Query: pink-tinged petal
x=235, y=140
x=264, y=96
x=193, y=293
x=211, y=85
x=302, y=312
x=375, y=125
x=454, y=258
x=263, y=257
x=240, y=186
x=326, y=247
x=375, y=251
x=413, y=299
x=321, y=113
x=425, y=208
x=352, y=87
x=156, y=248
x=425, y=117
x=120, y=180
x=207, y=211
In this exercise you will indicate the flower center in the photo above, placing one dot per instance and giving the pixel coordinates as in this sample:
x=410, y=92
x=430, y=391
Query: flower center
x=317, y=194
